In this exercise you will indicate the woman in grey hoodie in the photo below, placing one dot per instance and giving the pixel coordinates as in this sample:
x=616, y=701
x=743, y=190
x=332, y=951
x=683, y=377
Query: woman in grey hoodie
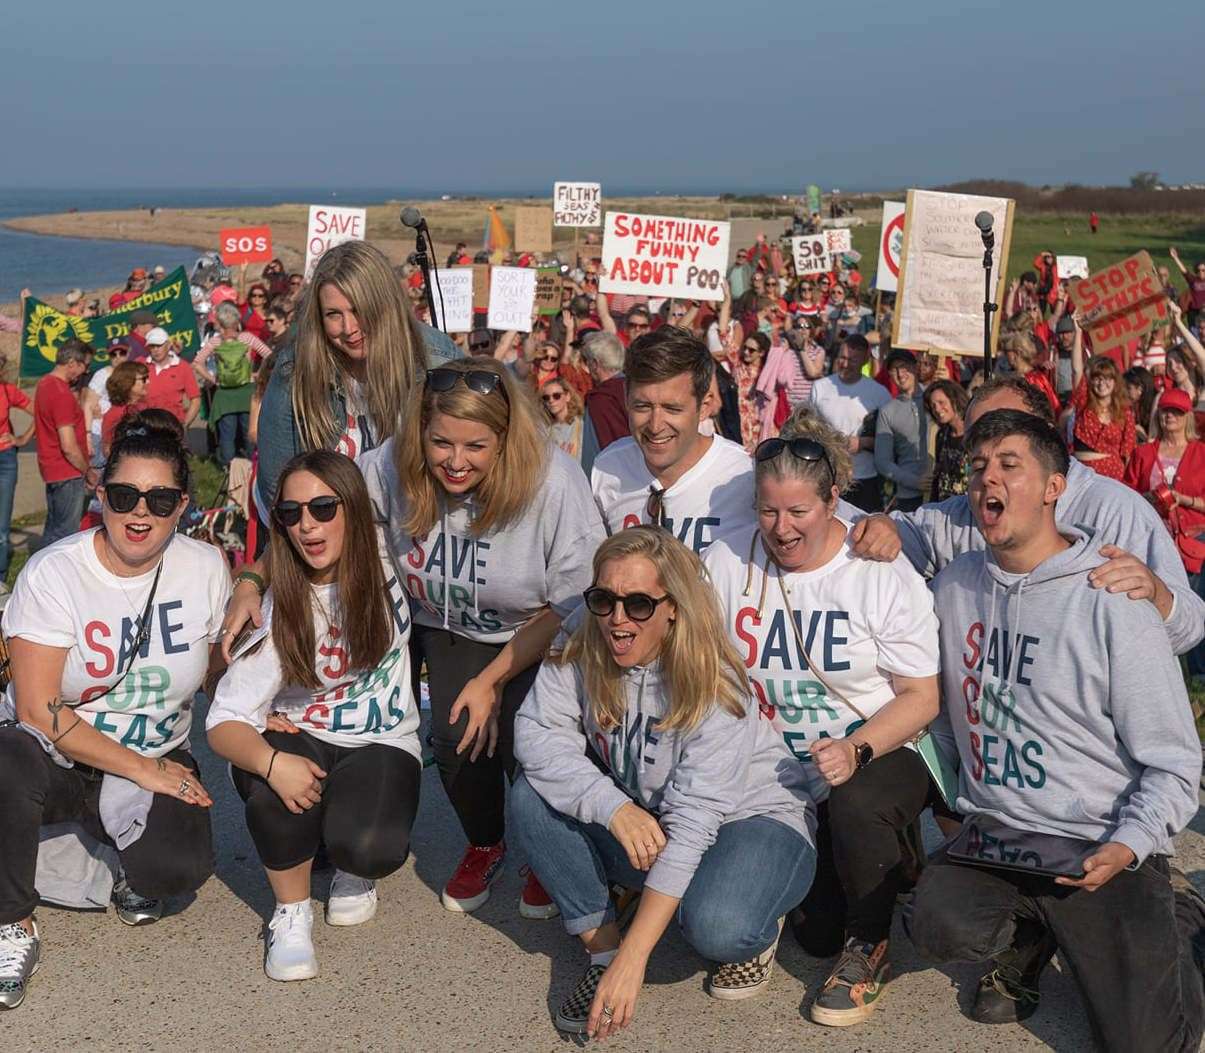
x=646, y=764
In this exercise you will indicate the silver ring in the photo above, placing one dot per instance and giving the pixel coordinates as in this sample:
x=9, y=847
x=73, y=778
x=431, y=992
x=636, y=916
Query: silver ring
x=185, y=786
x=608, y=1012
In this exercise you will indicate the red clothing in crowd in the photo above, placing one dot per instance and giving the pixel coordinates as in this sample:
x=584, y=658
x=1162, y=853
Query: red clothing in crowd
x=55, y=406
x=114, y=416
x=1117, y=438
x=10, y=396
x=168, y=385
x=1041, y=380
x=1189, y=480
x=254, y=322
x=607, y=406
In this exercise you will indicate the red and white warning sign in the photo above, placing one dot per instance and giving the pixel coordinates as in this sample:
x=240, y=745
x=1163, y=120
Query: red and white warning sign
x=891, y=247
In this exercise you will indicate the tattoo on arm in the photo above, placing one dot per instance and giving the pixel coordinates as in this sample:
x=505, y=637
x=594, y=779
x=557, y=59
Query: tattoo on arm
x=161, y=764
x=56, y=705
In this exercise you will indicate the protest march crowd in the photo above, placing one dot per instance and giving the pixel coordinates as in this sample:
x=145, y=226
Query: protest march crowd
x=712, y=601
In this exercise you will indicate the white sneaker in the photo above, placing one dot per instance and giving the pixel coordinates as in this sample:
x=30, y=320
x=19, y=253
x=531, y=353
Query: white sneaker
x=19, y=952
x=352, y=900
x=290, y=949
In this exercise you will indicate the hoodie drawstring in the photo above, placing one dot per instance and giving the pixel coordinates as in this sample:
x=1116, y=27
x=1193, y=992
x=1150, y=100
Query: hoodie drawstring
x=765, y=576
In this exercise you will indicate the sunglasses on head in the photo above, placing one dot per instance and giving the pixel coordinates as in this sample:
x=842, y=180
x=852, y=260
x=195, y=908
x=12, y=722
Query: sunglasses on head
x=481, y=381
x=802, y=449
x=323, y=509
x=161, y=501
x=639, y=606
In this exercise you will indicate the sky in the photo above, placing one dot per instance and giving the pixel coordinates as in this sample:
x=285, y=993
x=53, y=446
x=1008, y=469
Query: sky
x=465, y=96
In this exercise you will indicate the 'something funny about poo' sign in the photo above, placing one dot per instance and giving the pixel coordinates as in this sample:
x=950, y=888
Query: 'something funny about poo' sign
x=576, y=204
x=664, y=256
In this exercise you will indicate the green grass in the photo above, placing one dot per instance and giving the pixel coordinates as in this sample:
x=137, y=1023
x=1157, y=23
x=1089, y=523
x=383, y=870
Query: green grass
x=207, y=480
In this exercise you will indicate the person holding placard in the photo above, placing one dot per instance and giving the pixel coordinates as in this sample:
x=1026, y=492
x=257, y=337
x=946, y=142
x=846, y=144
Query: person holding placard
x=843, y=657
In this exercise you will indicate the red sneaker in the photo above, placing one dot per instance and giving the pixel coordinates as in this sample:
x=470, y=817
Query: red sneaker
x=535, y=902
x=469, y=887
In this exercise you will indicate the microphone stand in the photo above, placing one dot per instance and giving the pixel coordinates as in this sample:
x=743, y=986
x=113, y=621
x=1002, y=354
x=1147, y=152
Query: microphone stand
x=988, y=309
x=424, y=263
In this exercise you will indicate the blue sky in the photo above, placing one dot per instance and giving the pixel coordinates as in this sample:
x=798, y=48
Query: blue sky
x=481, y=96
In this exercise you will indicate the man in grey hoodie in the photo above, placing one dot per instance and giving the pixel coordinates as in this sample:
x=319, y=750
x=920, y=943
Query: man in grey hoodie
x=1068, y=712
x=901, y=436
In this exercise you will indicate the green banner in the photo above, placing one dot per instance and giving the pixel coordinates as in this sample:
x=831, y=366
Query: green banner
x=813, y=198
x=45, y=329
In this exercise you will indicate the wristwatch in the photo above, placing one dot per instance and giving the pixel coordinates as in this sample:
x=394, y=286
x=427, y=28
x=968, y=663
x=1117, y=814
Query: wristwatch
x=863, y=754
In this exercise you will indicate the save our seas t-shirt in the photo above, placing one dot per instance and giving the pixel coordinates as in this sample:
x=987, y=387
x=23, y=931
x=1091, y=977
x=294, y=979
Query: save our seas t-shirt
x=353, y=707
x=714, y=497
x=66, y=598
x=860, y=622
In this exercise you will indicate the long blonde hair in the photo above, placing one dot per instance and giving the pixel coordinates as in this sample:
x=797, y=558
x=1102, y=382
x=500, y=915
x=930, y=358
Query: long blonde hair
x=510, y=412
x=700, y=667
x=393, y=345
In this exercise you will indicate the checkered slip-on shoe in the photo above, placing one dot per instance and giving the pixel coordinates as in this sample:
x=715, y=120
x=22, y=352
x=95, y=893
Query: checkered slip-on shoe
x=575, y=1010
x=733, y=981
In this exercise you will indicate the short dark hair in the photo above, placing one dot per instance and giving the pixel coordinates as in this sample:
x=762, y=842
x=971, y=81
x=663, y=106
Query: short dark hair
x=956, y=393
x=1034, y=398
x=857, y=342
x=666, y=353
x=1044, y=440
x=72, y=350
x=1029, y=276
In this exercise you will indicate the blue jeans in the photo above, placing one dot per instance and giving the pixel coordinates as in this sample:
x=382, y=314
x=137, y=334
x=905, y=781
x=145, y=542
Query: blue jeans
x=232, y=436
x=64, y=509
x=756, y=870
x=1196, y=656
x=8, y=487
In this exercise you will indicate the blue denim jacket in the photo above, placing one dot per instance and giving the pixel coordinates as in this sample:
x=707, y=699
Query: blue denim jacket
x=278, y=437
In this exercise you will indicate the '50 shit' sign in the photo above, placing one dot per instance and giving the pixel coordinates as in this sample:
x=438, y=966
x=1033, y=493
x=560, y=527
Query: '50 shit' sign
x=664, y=256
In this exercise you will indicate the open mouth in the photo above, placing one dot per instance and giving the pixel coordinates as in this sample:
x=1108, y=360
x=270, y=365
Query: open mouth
x=137, y=532
x=788, y=547
x=991, y=509
x=454, y=475
x=621, y=642
x=315, y=547
x=657, y=443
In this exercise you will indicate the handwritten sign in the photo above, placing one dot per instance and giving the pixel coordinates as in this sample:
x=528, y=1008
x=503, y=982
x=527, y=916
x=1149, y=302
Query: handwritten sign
x=533, y=229
x=481, y=286
x=329, y=227
x=939, y=306
x=548, y=290
x=1120, y=304
x=576, y=204
x=1073, y=267
x=891, y=247
x=453, y=287
x=512, y=297
x=245, y=245
x=664, y=256
x=811, y=254
x=838, y=240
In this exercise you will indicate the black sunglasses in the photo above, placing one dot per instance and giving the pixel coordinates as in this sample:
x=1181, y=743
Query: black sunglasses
x=161, y=501
x=639, y=606
x=323, y=509
x=802, y=449
x=481, y=381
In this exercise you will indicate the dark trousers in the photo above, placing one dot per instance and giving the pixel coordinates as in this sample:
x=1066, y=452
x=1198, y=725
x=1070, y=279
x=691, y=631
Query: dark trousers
x=1134, y=948
x=860, y=868
x=64, y=509
x=174, y=855
x=369, y=800
x=477, y=789
x=866, y=494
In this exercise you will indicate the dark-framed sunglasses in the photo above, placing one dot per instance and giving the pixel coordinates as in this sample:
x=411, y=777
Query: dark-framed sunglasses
x=161, y=501
x=323, y=509
x=639, y=606
x=481, y=381
x=802, y=449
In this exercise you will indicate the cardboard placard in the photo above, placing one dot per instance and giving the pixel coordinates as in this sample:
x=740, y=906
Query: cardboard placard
x=664, y=256
x=811, y=254
x=452, y=287
x=533, y=229
x=548, y=290
x=481, y=286
x=245, y=245
x=1072, y=267
x=939, y=306
x=838, y=240
x=1119, y=304
x=329, y=227
x=891, y=247
x=576, y=204
x=512, y=297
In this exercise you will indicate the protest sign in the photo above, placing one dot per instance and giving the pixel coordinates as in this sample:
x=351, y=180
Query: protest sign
x=533, y=229
x=1072, y=267
x=245, y=245
x=1120, y=304
x=838, y=241
x=512, y=297
x=576, y=204
x=548, y=290
x=663, y=256
x=891, y=247
x=939, y=306
x=481, y=286
x=811, y=254
x=452, y=288
x=329, y=227
x=44, y=329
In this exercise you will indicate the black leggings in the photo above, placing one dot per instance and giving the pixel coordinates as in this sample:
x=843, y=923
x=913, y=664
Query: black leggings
x=369, y=799
x=858, y=871
x=174, y=855
x=477, y=789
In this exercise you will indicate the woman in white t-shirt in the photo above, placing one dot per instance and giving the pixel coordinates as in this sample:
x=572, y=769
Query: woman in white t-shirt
x=843, y=657
x=343, y=766
x=110, y=634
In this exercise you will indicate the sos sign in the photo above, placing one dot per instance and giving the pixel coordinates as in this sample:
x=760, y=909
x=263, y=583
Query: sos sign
x=246, y=245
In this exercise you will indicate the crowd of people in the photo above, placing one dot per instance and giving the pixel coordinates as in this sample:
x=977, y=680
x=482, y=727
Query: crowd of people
x=712, y=601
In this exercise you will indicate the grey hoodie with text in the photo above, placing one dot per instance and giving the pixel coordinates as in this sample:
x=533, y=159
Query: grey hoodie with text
x=1065, y=703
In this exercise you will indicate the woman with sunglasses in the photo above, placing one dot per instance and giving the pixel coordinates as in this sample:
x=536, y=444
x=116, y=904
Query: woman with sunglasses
x=843, y=656
x=253, y=310
x=333, y=665
x=109, y=632
x=645, y=763
x=564, y=409
x=493, y=526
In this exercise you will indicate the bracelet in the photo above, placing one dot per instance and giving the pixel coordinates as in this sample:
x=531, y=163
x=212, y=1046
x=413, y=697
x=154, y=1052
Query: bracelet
x=268, y=773
x=255, y=579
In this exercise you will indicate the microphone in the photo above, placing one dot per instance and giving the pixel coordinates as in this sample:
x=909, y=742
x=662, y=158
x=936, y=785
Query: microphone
x=412, y=217
x=983, y=221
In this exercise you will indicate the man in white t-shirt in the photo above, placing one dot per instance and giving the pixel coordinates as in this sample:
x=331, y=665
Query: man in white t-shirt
x=666, y=472
x=849, y=401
